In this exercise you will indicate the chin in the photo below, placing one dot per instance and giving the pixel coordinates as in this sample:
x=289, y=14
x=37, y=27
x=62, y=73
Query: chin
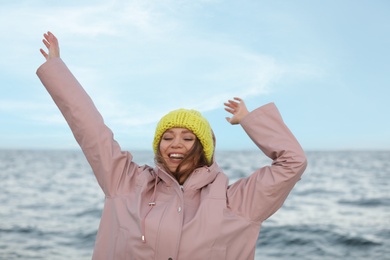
x=172, y=169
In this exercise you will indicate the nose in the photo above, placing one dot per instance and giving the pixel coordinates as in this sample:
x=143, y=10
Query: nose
x=176, y=142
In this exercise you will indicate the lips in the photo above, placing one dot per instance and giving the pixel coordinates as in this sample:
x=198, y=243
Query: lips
x=178, y=156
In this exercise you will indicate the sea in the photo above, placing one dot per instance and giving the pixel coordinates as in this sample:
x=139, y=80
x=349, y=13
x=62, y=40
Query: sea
x=51, y=204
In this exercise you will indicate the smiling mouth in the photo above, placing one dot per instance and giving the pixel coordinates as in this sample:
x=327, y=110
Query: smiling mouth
x=176, y=156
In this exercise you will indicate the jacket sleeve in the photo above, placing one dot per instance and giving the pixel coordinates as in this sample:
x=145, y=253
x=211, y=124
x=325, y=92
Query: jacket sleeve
x=261, y=194
x=103, y=153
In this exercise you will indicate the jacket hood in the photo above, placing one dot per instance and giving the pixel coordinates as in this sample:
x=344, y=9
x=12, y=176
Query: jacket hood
x=199, y=178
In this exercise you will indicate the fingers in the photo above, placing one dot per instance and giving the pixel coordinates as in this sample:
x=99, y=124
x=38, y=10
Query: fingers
x=53, y=38
x=44, y=54
x=233, y=105
x=237, y=108
x=232, y=120
x=234, y=102
x=51, y=43
x=229, y=110
x=46, y=40
x=47, y=44
x=49, y=39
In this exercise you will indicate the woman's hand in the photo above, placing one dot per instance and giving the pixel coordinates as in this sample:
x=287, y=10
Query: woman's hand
x=237, y=109
x=51, y=44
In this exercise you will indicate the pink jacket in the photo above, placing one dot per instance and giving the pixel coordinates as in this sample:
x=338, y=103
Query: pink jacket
x=204, y=219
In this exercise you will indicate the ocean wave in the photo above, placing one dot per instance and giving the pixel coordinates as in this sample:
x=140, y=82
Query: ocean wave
x=91, y=212
x=367, y=202
x=301, y=240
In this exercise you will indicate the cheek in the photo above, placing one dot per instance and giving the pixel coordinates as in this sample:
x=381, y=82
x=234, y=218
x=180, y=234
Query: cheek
x=189, y=145
x=163, y=146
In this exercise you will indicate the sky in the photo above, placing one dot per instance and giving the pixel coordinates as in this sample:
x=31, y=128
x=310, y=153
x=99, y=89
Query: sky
x=325, y=64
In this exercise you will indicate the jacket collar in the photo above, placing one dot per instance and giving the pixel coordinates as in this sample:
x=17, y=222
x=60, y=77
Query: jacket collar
x=199, y=178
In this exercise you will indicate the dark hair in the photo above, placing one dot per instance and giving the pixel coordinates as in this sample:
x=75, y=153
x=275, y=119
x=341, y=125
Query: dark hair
x=195, y=158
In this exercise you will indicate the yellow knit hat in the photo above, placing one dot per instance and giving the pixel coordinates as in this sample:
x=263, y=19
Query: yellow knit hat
x=192, y=120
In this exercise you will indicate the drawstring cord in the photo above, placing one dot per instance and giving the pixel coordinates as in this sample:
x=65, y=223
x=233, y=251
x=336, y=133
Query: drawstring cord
x=152, y=203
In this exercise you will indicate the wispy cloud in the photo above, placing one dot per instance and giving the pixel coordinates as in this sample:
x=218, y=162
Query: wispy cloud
x=139, y=60
x=30, y=110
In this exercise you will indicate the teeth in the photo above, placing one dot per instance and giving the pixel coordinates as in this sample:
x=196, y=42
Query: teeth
x=176, y=156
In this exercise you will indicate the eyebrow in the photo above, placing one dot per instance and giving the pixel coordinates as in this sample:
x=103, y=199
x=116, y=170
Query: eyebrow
x=183, y=131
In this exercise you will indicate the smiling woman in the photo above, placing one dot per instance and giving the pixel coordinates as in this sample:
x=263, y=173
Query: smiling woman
x=175, y=145
x=183, y=142
x=183, y=208
x=180, y=151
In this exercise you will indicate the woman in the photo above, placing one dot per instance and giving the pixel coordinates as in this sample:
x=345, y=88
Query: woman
x=183, y=208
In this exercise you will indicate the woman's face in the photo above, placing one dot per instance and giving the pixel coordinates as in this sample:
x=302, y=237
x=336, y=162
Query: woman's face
x=175, y=144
